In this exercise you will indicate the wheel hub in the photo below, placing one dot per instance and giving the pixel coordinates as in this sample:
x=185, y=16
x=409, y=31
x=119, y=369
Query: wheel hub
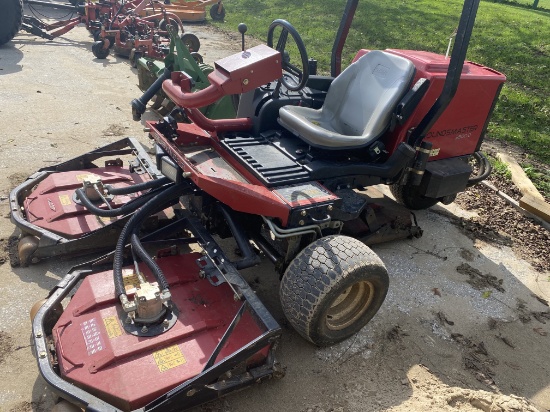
x=350, y=305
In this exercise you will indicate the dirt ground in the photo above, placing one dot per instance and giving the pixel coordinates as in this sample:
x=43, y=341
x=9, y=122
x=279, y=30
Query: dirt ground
x=465, y=326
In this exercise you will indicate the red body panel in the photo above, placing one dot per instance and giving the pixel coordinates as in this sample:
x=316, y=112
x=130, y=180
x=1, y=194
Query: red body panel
x=237, y=189
x=459, y=129
x=52, y=205
x=95, y=353
x=236, y=74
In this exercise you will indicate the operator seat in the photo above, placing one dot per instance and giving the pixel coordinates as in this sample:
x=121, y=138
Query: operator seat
x=359, y=104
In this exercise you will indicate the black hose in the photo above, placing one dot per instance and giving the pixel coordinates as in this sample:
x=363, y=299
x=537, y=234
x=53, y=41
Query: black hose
x=145, y=258
x=152, y=206
x=151, y=184
x=485, y=169
x=125, y=209
x=249, y=258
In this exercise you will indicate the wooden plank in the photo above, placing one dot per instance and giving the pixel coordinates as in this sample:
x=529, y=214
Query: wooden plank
x=536, y=206
x=520, y=179
x=516, y=206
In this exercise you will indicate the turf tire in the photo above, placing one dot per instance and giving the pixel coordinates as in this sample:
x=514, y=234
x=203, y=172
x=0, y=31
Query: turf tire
x=319, y=277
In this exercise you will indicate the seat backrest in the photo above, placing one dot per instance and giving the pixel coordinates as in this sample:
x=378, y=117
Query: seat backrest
x=361, y=100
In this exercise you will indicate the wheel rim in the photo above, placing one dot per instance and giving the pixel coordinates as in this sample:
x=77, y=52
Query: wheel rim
x=350, y=305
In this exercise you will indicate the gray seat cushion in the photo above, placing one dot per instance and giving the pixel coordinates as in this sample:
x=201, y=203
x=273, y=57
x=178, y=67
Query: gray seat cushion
x=358, y=106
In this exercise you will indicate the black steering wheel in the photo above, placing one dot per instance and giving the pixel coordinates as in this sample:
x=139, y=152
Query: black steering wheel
x=301, y=74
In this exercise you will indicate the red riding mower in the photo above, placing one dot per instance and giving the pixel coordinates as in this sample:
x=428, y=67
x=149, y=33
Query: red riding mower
x=157, y=326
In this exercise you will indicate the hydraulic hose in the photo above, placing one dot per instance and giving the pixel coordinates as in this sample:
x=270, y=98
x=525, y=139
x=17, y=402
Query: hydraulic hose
x=125, y=209
x=140, y=251
x=485, y=169
x=151, y=184
x=249, y=257
x=140, y=105
x=152, y=206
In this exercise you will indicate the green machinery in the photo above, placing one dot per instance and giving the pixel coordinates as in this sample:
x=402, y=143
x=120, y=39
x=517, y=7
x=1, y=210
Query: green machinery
x=152, y=72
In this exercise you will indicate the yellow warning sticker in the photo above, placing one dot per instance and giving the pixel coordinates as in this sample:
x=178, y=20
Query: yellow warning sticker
x=86, y=176
x=169, y=358
x=65, y=200
x=112, y=326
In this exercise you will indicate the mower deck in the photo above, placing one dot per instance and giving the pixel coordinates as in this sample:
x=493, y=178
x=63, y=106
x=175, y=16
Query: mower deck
x=219, y=338
x=51, y=221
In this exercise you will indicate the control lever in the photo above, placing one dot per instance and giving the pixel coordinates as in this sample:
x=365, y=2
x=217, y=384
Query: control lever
x=242, y=29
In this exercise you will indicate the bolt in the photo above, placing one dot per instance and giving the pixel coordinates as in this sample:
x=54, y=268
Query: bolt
x=39, y=335
x=329, y=208
x=202, y=274
x=301, y=223
x=144, y=329
x=303, y=213
x=245, y=82
x=165, y=323
x=42, y=355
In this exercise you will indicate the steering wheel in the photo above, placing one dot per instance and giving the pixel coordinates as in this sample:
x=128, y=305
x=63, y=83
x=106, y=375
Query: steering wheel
x=302, y=74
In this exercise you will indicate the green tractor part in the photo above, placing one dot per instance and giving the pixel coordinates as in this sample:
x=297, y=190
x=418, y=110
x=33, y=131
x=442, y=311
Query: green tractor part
x=152, y=72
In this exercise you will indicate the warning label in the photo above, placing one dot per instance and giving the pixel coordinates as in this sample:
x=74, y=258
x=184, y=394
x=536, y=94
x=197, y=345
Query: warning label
x=65, y=200
x=92, y=336
x=87, y=176
x=169, y=358
x=112, y=326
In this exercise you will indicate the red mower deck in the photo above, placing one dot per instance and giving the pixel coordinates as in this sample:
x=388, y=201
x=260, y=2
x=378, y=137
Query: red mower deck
x=53, y=206
x=98, y=355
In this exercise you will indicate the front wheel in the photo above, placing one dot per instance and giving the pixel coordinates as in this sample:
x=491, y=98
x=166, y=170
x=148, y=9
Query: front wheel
x=332, y=289
x=98, y=50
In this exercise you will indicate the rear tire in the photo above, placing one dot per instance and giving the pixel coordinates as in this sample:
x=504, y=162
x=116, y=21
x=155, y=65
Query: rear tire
x=11, y=18
x=409, y=197
x=332, y=289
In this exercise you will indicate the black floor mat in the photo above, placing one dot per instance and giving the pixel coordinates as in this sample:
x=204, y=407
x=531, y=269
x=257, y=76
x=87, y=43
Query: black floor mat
x=270, y=164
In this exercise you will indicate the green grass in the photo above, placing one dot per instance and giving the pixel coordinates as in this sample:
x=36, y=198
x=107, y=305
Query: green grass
x=508, y=36
x=541, y=179
x=500, y=168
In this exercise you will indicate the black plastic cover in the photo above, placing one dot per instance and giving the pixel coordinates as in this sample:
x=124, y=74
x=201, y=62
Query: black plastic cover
x=445, y=177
